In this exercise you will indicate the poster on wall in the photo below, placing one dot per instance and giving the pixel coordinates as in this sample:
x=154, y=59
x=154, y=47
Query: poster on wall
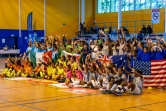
x=3, y=40
x=155, y=16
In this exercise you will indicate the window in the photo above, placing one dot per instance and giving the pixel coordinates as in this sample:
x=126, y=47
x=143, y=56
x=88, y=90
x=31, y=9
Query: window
x=106, y=6
x=154, y=4
x=123, y=5
x=164, y=3
x=103, y=6
x=142, y=4
x=160, y=3
x=127, y=2
x=127, y=5
x=137, y=4
x=148, y=4
x=113, y=6
x=100, y=10
x=131, y=4
x=116, y=5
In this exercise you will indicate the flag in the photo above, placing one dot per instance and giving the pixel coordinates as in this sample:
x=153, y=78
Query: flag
x=154, y=72
x=29, y=22
x=29, y=26
x=34, y=25
x=78, y=56
x=105, y=59
x=35, y=57
x=155, y=16
x=46, y=56
x=118, y=60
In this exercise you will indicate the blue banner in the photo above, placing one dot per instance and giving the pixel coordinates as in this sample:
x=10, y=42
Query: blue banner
x=29, y=22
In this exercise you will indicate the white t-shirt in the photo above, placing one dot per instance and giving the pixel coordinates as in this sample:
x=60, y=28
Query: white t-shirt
x=115, y=52
x=121, y=52
x=117, y=77
x=95, y=50
x=138, y=82
x=105, y=50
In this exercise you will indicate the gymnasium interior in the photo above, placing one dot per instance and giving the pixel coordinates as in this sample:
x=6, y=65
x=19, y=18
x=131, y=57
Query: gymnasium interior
x=82, y=55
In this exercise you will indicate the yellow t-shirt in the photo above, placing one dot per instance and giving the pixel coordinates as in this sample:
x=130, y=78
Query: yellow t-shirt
x=68, y=63
x=54, y=71
x=60, y=71
x=49, y=70
x=74, y=66
x=62, y=62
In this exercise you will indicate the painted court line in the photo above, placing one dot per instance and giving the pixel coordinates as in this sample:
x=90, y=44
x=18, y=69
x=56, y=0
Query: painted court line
x=20, y=105
x=125, y=109
x=36, y=84
x=39, y=98
x=144, y=109
x=43, y=101
x=55, y=99
x=16, y=87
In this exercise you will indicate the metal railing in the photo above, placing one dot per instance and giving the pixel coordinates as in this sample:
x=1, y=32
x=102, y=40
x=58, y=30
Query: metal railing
x=132, y=26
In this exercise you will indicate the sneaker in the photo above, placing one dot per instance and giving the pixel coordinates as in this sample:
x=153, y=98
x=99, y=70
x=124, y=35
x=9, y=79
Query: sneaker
x=130, y=92
x=92, y=87
x=85, y=86
x=106, y=91
x=102, y=90
x=118, y=93
x=70, y=86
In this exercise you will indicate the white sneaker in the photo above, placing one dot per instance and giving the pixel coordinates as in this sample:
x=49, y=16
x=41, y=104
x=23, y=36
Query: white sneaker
x=102, y=90
x=129, y=91
x=78, y=86
x=85, y=86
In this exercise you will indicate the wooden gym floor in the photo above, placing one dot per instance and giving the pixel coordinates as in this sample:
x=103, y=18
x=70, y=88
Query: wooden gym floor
x=30, y=96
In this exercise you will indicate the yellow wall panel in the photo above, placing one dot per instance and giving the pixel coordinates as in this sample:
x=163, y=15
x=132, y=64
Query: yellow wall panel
x=35, y=6
x=9, y=14
x=59, y=12
x=89, y=12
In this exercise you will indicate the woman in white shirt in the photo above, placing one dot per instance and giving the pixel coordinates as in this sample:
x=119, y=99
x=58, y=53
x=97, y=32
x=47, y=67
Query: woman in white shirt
x=115, y=49
x=122, y=42
x=29, y=49
x=105, y=49
x=94, y=48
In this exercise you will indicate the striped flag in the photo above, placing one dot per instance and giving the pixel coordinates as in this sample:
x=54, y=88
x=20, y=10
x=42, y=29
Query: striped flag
x=78, y=56
x=154, y=72
x=35, y=57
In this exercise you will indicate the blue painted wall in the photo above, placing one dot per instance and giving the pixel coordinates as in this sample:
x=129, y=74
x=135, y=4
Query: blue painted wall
x=22, y=43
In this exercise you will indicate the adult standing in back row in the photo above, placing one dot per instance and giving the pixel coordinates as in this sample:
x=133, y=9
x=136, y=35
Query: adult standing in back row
x=143, y=30
x=149, y=30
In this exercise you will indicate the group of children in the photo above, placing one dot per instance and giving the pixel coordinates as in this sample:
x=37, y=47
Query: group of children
x=86, y=71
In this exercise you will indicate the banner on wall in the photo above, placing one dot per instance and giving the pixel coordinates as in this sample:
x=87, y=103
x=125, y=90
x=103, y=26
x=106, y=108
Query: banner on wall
x=155, y=16
x=29, y=21
x=29, y=26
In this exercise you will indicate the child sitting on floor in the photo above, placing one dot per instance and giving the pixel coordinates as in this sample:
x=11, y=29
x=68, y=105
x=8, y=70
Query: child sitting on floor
x=36, y=72
x=68, y=72
x=60, y=74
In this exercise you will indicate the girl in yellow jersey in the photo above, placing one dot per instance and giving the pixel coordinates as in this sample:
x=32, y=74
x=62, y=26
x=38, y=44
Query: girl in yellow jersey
x=73, y=63
x=36, y=72
x=62, y=61
x=46, y=73
x=28, y=70
x=60, y=73
x=54, y=71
